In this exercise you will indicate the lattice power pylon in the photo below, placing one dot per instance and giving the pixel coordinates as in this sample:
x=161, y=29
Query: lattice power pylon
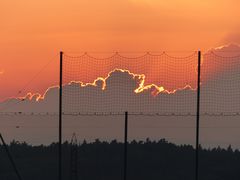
x=74, y=158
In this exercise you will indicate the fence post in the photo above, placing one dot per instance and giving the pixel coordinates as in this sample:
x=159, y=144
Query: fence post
x=60, y=120
x=125, y=146
x=198, y=116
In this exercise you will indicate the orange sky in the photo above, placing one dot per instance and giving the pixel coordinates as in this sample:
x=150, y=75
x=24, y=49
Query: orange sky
x=32, y=32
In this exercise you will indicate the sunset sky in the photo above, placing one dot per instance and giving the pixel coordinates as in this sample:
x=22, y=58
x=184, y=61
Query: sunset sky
x=33, y=32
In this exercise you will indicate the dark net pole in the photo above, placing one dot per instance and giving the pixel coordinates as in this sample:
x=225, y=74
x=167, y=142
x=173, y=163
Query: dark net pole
x=125, y=146
x=198, y=116
x=10, y=158
x=60, y=120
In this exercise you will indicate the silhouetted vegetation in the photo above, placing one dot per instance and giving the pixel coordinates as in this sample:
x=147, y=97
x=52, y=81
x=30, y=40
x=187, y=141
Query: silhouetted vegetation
x=148, y=160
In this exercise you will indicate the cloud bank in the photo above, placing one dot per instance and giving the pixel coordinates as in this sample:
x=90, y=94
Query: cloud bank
x=122, y=90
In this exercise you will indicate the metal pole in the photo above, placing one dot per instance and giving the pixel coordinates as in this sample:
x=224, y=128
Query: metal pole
x=198, y=116
x=125, y=146
x=10, y=158
x=60, y=120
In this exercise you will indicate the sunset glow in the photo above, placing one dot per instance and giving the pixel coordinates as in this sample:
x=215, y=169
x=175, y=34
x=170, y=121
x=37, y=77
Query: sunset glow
x=142, y=86
x=33, y=32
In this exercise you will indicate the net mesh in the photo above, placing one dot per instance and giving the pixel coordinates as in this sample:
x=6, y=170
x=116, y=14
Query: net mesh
x=220, y=95
x=147, y=84
x=220, y=84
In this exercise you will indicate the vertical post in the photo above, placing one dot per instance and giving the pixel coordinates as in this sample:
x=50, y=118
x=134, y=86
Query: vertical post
x=198, y=116
x=10, y=158
x=60, y=120
x=125, y=146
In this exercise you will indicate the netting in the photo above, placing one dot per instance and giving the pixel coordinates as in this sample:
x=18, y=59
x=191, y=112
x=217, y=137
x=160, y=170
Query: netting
x=145, y=86
x=220, y=99
x=220, y=84
x=97, y=90
x=148, y=84
x=220, y=105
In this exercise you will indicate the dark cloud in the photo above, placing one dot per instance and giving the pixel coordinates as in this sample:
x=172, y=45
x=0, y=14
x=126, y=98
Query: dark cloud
x=117, y=93
x=123, y=90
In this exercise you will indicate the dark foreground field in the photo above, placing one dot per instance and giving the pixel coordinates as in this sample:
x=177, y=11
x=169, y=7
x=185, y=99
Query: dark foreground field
x=104, y=161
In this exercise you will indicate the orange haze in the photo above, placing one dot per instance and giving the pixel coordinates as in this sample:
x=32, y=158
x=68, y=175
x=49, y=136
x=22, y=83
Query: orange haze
x=34, y=31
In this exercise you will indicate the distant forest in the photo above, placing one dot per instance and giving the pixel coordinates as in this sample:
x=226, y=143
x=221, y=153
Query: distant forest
x=147, y=160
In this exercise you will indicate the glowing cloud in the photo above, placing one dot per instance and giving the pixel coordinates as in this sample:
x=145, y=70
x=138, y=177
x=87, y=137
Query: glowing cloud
x=120, y=90
x=139, y=77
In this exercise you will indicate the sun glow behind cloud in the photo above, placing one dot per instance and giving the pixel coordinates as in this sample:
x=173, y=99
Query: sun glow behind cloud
x=34, y=30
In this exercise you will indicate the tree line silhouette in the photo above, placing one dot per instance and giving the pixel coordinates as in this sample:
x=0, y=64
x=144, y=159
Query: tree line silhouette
x=99, y=160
